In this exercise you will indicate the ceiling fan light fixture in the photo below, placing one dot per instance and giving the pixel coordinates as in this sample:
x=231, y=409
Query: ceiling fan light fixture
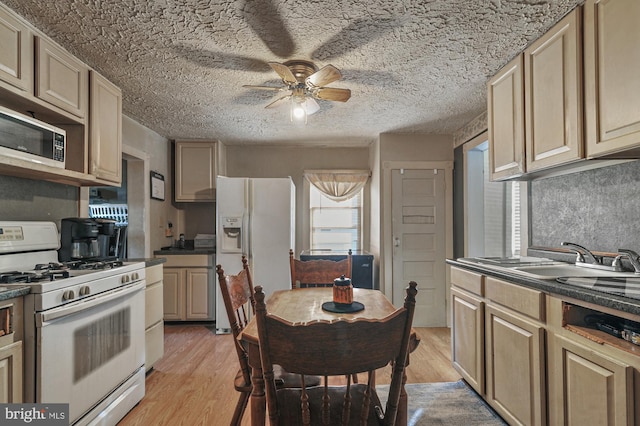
x=298, y=110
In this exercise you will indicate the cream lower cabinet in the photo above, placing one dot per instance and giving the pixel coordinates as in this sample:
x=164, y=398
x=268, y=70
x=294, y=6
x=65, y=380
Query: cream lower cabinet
x=153, y=316
x=467, y=342
x=587, y=387
x=11, y=351
x=498, y=344
x=11, y=373
x=515, y=367
x=189, y=294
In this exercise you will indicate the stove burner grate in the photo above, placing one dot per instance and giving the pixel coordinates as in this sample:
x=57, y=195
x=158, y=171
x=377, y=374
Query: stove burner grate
x=15, y=277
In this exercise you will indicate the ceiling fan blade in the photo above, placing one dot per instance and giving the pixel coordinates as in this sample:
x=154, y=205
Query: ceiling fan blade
x=284, y=72
x=275, y=89
x=325, y=75
x=355, y=35
x=265, y=20
x=332, y=94
x=220, y=60
x=312, y=106
x=279, y=101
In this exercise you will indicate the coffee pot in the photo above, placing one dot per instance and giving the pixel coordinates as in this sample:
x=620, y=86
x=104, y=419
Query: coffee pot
x=78, y=239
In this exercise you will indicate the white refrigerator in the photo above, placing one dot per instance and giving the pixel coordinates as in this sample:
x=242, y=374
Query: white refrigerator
x=255, y=217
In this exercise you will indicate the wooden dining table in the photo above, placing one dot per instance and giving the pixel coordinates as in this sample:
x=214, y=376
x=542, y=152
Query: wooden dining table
x=302, y=306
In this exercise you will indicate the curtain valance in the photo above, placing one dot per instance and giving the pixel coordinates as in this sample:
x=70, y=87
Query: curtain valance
x=338, y=185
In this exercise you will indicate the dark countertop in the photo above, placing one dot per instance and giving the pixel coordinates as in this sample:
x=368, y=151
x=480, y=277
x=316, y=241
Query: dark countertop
x=611, y=301
x=10, y=293
x=175, y=250
x=152, y=261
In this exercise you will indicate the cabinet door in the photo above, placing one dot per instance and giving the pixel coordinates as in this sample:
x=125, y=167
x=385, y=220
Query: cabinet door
x=105, y=130
x=467, y=340
x=16, y=52
x=173, y=294
x=11, y=373
x=505, y=115
x=61, y=79
x=515, y=366
x=553, y=95
x=154, y=345
x=195, y=171
x=199, y=292
x=587, y=387
x=612, y=86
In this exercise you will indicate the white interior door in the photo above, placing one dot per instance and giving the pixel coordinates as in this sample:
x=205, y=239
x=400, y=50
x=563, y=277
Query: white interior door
x=419, y=241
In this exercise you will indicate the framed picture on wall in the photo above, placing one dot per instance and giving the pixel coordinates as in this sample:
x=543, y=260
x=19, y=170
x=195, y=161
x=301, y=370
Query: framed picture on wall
x=157, y=186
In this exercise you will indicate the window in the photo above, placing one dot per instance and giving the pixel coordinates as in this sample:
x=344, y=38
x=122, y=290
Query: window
x=493, y=209
x=335, y=225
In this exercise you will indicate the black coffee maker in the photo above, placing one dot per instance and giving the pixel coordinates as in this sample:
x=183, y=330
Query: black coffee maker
x=78, y=239
x=107, y=238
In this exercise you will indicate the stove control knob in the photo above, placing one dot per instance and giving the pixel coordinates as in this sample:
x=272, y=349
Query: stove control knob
x=68, y=295
x=135, y=276
x=85, y=290
x=124, y=279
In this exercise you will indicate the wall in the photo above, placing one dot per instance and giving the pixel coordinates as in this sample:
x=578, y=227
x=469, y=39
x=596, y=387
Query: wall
x=597, y=209
x=403, y=147
x=159, y=213
x=26, y=199
x=283, y=161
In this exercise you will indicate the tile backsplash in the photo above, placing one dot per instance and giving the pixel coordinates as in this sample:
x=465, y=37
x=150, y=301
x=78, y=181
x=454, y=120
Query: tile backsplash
x=598, y=209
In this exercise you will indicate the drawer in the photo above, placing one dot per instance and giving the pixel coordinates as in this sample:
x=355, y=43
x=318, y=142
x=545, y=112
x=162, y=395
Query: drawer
x=467, y=280
x=521, y=299
x=153, y=274
x=153, y=304
x=154, y=345
x=186, y=261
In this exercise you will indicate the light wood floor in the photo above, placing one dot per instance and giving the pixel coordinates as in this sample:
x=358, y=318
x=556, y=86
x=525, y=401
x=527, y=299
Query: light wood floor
x=193, y=383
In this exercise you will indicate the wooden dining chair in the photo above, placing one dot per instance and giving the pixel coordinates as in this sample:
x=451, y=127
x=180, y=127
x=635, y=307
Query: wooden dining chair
x=237, y=293
x=318, y=272
x=334, y=348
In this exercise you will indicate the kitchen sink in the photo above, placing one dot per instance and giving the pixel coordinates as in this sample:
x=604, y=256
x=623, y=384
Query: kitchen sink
x=507, y=262
x=551, y=272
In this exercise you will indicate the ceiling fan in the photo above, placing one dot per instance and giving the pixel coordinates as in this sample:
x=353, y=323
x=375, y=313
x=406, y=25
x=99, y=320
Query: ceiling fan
x=306, y=83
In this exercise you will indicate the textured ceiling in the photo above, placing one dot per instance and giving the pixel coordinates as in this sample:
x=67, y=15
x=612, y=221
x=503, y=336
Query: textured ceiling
x=411, y=66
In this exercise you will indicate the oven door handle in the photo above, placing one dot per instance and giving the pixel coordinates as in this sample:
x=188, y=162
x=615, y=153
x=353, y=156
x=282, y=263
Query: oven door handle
x=88, y=303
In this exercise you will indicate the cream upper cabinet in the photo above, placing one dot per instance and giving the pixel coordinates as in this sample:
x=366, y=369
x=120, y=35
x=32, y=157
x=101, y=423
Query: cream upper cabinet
x=195, y=171
x=61, y=79
x=612, y=86
x=16, y=52
x=505, y=115
x=105, y=130
x=553, y=96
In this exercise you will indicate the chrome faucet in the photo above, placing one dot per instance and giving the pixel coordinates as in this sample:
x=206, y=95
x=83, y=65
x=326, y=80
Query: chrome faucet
x=633, y=257
x=582, y=254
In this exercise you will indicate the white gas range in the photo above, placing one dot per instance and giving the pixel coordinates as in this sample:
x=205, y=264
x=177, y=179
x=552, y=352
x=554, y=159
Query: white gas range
x=84, y=325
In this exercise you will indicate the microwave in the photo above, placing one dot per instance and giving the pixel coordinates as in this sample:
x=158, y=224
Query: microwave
x=32, y=140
